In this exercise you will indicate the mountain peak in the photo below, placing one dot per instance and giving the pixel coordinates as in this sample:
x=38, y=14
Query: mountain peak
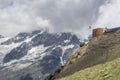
x=39, y=49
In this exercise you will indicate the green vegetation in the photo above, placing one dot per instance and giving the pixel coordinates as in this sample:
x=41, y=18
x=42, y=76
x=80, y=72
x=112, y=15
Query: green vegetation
x=107, y=71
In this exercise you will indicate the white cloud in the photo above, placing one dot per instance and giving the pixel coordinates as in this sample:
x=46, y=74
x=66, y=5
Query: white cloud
x=57, y=15
x=109, y=15
x=18, y=17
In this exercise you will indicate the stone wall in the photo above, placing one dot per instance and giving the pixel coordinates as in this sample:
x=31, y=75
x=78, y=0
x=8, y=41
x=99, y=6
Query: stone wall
x=98, y=31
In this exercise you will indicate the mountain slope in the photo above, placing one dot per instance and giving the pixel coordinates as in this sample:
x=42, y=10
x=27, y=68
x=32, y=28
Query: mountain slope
x=34, y=55
x=107, y=71
x=100, y=51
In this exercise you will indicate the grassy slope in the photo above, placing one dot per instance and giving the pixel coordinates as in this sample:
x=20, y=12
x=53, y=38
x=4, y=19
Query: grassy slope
x=101, y=63
x=107, y=71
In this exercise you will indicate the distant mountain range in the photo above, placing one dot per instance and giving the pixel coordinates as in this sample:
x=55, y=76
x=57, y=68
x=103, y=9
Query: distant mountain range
x=35, y=55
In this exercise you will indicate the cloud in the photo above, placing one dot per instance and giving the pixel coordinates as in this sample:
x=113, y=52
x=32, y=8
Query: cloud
x=109, y=15
x=17, y=16
x=57, y=15
x=71, y=15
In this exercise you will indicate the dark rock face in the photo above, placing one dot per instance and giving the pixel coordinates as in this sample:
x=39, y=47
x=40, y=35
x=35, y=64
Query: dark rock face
x=52, y=61
x=67, y=54
x=26, y=77
x=55, y=39
x=18, y=52
x=75, y=39
x=57, y=50
x=46, y=39
x=50, y=64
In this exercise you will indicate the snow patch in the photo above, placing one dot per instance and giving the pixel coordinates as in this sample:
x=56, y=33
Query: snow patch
x=15, y=65
x=4, y=49
x=62, y=62
x=3, y=39
x=35, y=52
x=28, y=40
x=11, y=62
x=67, y=47
x=20, y=66
x=32, y=55
x=66, y=41
x=64, y=48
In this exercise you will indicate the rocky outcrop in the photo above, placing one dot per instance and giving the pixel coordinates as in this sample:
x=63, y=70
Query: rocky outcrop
x=79, y=53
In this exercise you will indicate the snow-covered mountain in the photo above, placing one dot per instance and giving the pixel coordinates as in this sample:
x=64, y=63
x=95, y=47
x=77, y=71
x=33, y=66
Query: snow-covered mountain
x=33, y=56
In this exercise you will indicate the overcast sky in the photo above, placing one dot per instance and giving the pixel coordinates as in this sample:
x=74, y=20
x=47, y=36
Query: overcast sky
x=57, y=15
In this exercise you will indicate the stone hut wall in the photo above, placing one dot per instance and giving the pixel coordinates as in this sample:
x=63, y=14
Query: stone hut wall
x=98, y=31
